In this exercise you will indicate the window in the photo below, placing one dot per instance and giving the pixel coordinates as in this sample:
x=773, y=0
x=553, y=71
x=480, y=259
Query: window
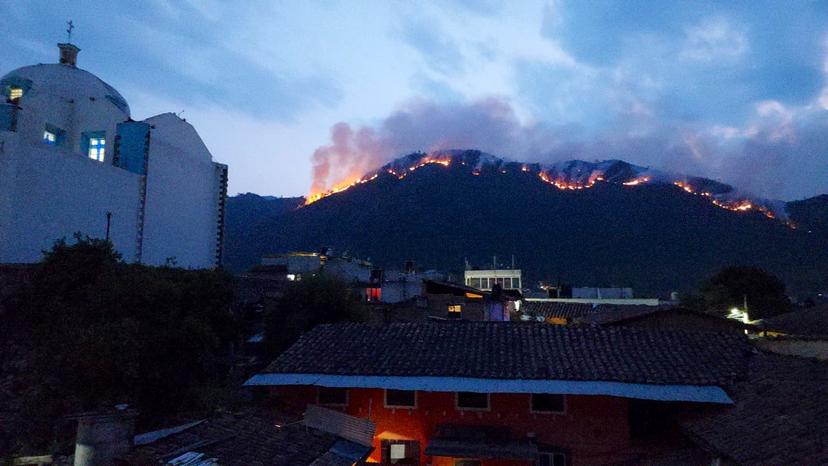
x=15, y=93
x=469, y=400
x=333, y=396
x=400, y=451
x=455, y=310
x=373, y=295
x=547, y=403
x=550, y=458
x=94, y=144
x=516, y=283
x=475, y=283
x=53, y=135
x=400, y=398
x=507, y=283
x=49, y=137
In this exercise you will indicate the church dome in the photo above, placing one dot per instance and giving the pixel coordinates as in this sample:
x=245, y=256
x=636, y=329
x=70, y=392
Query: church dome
x=64, y=81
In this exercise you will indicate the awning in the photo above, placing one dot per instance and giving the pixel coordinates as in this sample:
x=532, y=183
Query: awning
x=483, y=449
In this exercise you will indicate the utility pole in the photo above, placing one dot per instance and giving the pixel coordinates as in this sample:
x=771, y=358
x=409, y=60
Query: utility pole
x=108, y=224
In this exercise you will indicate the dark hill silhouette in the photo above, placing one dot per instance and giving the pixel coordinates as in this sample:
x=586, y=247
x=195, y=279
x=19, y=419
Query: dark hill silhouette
x=653, y=237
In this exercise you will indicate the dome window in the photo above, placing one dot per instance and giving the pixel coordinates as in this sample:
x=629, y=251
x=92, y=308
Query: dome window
x=94, y=145
x=15, y=93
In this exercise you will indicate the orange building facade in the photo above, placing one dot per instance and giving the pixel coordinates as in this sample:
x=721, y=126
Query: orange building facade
x=510, y=429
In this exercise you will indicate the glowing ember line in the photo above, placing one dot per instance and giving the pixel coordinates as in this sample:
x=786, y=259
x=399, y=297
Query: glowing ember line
x=637, y=181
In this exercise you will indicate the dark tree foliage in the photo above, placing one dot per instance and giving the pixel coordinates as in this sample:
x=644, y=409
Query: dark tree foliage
x=316, y=300
x=730, y=287
x=93, y=331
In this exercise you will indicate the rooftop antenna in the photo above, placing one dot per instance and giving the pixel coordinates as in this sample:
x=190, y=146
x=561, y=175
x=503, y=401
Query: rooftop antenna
x=69, y=31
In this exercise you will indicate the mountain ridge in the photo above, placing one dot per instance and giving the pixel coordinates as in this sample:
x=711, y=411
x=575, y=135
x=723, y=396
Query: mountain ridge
x=653, y=236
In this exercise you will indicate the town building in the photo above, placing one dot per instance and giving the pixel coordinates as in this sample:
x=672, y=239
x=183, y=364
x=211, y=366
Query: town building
x=507, y=278
x=504, y=393
x=72, y=160
x=803, y=333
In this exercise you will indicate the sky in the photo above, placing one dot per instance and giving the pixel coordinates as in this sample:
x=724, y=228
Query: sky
x=735, y=91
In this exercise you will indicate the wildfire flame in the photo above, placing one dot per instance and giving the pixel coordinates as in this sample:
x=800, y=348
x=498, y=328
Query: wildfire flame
x=637, y=181
x=557, y=180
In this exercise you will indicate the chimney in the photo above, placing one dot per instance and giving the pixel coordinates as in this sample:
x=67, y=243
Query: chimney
x=103, y=437
x=69, y=54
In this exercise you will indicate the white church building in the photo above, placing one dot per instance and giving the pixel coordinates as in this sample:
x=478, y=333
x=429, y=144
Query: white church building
x=72, y=160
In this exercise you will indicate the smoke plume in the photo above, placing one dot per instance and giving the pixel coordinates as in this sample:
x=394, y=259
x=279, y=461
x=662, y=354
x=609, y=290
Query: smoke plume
x=780, y=152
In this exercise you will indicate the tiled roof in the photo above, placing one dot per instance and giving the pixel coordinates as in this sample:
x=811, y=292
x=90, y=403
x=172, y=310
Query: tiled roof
x=511, y=350
x=557, y=309
x=807, y=322
x=614, y=314
x=780, y=415
x=250, y=438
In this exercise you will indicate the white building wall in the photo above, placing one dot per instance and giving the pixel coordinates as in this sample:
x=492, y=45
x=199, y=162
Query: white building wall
x=50, y=193
x=181, y=205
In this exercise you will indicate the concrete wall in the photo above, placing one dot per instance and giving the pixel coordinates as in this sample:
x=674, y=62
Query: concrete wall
x=181, y=205
x=48, y=192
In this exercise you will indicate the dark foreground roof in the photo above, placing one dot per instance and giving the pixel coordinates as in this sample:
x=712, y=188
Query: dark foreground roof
x=548, y=309
x=807, y=322
x=780, y=415
x=250, y=438
x=509, y=350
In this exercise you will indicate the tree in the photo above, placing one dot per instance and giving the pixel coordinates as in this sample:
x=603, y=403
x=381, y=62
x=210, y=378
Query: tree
x=312, y=301
x=731, y=286
x=93, y=331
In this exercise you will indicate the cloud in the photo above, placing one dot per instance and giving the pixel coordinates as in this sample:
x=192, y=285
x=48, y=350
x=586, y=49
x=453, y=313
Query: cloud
x=764, y=157
x=714, y=39
x=436, y=49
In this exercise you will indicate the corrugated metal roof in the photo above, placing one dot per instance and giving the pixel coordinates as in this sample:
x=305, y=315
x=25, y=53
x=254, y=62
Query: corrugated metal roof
x=693, y=393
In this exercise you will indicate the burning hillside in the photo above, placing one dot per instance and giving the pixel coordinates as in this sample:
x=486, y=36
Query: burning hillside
x=569, y=175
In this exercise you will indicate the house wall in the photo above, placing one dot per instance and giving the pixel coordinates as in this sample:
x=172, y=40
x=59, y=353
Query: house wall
x=806, y=348
x=593, y=430
x=181, y=211
x=49, y=192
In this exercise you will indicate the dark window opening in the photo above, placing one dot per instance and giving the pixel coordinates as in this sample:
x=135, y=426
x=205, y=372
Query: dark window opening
x=551, y=458
x=547, y=403
x=470, y=400
x=400, y=398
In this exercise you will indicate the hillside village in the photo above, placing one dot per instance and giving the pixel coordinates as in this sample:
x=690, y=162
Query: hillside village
x=128, y=342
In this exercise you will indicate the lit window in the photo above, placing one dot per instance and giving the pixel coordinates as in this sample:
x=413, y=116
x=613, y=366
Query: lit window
x=547, y=403
x=551, y=459
x=15, y=93
x=333, y=396
x=470, y=400
x=373, y=295
x=94, y=145
x=97, y=149
x=53, y=135
x=400, y=399
x=455, y=310
x=400, y=451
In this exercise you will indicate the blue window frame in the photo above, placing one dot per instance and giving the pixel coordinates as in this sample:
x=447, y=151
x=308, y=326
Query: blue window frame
x=94, y=145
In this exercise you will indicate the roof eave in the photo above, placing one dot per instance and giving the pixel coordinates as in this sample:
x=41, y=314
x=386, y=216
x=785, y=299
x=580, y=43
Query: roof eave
x=659, y=392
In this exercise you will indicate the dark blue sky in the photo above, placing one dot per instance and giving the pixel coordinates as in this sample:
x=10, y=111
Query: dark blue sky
x=732, y=90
